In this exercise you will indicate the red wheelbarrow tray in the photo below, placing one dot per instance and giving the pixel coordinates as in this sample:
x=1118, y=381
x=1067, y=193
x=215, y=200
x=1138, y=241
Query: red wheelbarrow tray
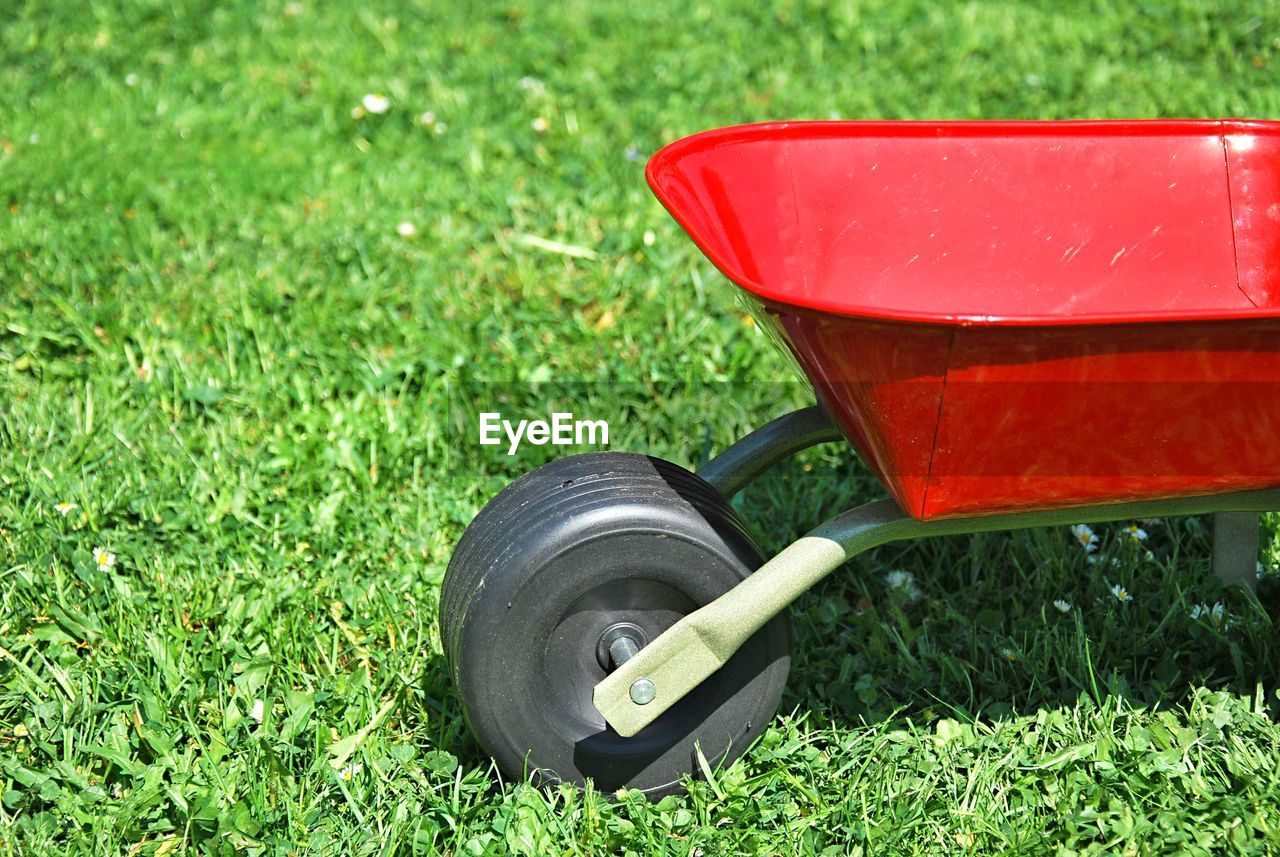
x=1012, y=316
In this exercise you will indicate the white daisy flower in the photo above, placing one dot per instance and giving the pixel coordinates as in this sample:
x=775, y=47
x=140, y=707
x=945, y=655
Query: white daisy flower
x=376, y=103
x=1093, y=559
x=899, y=579
x=1121, y=594
x=1009, y=654
x=1136, y=533
x=257, y=711
x=540, y=125
x=65, y=508
x=130, y=79
x=1062, y=605
x=348, y=773
x=905, y=581
x=406, y=229
x=427, y=119
x=1214, y=614
x=532, y=84
x=1085, y=535
x=103, y=559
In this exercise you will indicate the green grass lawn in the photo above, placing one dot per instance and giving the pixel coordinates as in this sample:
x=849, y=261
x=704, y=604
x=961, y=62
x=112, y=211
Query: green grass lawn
x=258, y=395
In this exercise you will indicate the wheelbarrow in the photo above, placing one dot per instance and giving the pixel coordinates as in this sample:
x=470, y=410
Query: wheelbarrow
x=1015, y=324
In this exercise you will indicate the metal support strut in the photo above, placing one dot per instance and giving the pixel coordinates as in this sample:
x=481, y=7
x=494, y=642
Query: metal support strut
x=730, y=471
x=693, y=648
x=1235, y=548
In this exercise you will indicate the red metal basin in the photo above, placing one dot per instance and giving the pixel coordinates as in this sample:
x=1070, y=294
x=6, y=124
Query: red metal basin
x=1013, y=315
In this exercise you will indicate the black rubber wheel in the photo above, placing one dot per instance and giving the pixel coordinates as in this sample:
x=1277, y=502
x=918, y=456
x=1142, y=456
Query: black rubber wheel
x=560, y=563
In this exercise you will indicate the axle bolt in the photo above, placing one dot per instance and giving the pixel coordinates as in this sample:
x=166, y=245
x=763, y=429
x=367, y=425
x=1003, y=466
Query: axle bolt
x=618, y=644
x=622, y=650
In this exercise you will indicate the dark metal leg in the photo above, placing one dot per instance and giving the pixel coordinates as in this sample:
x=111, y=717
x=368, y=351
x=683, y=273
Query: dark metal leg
x=730, y=471
x=1235, y=548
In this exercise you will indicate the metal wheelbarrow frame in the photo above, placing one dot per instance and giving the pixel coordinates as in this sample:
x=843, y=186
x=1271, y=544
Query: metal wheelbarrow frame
x=660, y=674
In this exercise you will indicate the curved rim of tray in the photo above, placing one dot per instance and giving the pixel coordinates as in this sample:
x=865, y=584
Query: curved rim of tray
x=811, y=128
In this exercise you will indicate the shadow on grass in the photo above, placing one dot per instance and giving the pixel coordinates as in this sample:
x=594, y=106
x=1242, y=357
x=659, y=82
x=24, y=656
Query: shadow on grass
x=975, y=634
